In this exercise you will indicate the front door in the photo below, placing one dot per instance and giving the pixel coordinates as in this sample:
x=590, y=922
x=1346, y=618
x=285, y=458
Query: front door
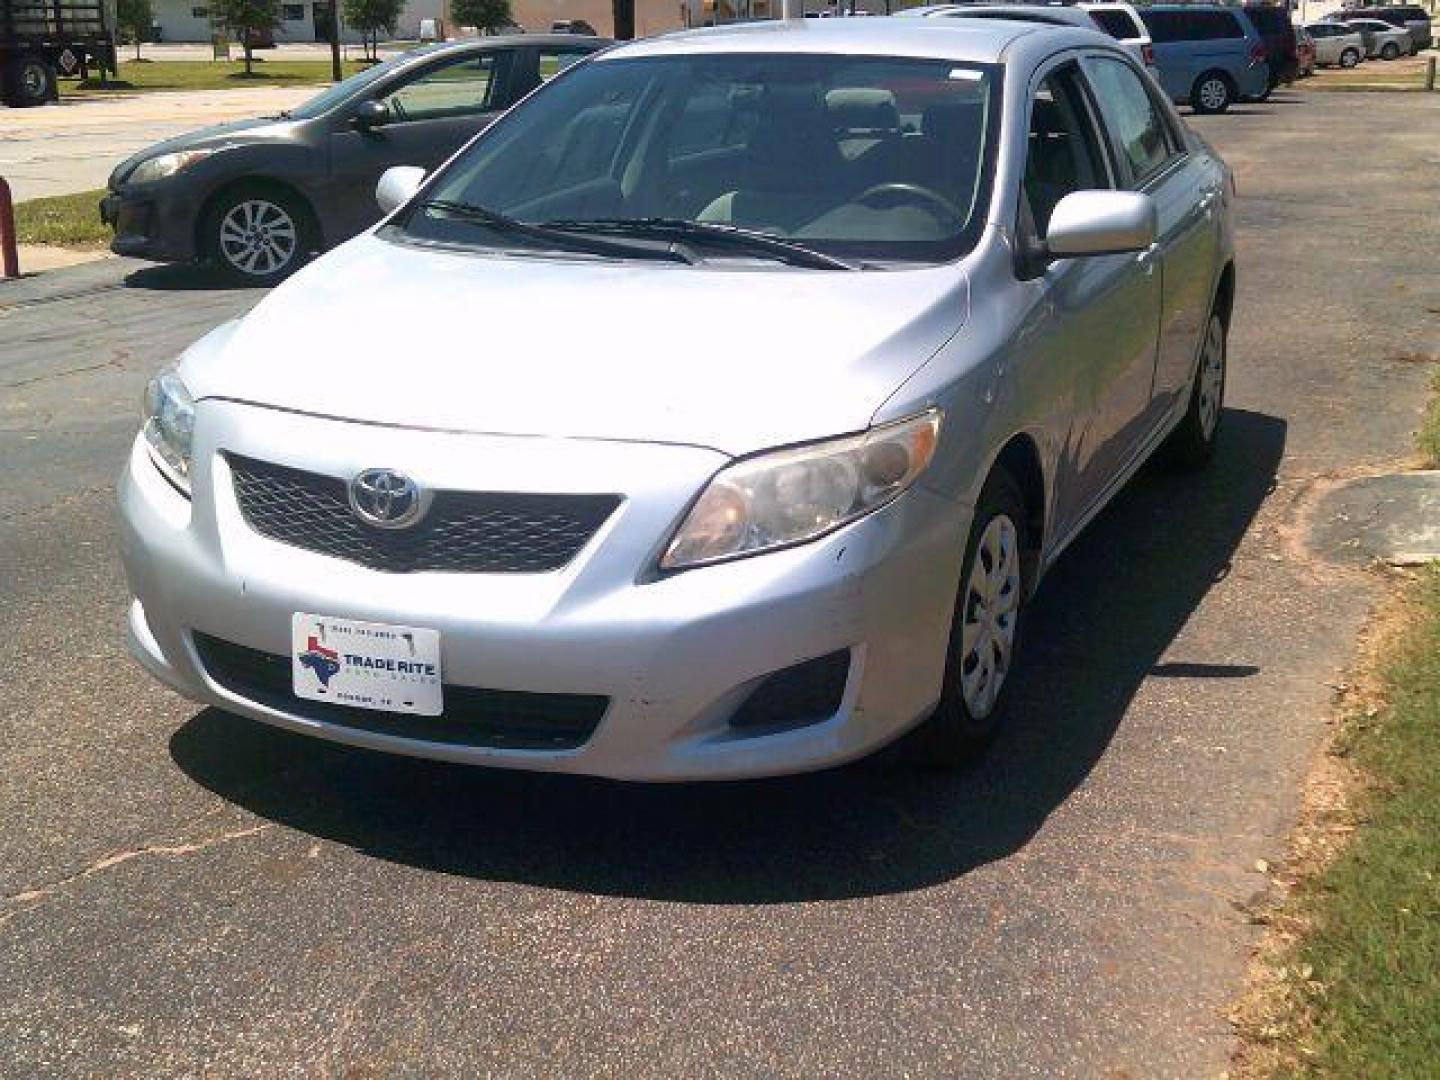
x=1096, y=321
x=432, y=113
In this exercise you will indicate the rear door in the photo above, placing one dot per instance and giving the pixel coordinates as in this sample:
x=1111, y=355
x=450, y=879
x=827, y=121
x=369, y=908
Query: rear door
x=1186, y=185
x=433, y=111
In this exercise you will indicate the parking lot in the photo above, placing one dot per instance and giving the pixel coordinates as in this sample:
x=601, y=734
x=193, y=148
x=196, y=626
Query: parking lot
x=184, y=891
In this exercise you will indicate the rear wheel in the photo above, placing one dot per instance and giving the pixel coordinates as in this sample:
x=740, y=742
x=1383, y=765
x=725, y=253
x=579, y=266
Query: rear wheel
x=1389, y=51
x=1212, y=93
x=1192, y=444
x=985, y=630
x=29, y=81
x=1349, y=58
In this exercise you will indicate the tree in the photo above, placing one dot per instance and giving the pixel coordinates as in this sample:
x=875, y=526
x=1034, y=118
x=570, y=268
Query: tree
x=372, y=16
x=246, y=18
x=135, y=16
x=485, y=15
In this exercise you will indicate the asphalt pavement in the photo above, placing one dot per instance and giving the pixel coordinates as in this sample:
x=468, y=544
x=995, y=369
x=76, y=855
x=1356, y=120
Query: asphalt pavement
x=185, y=891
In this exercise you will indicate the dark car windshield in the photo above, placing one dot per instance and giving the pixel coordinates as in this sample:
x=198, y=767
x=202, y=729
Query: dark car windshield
x=855, y=157
x=326, y=100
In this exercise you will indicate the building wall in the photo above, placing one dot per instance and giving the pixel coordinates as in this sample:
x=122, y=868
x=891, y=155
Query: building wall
x=651, y=16
x=178, y=21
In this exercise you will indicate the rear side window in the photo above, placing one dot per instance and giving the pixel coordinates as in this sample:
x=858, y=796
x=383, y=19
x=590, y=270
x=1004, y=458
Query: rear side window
x=1116, y=23
x=1269, y=20
x=1213, y=25
x=1164, y=25
x=1136, y=125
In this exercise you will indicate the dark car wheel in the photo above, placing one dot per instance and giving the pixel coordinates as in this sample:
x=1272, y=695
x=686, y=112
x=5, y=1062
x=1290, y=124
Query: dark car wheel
x=1192, y=444
x=1213, y=92
x=1349, y=58
x=30, y=82
x=1389, y=51
x=985, y=631
x=259, y=234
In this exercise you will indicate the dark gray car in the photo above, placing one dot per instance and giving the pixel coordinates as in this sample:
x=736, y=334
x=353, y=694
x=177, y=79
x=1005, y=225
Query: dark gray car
x=259, y=195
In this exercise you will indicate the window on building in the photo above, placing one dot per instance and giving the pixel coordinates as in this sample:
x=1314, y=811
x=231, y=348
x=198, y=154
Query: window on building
x=292, y=12
x=200, y=13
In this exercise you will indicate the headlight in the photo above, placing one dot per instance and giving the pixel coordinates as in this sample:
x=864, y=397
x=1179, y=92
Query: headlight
x=789, y=496
x=158, y=168
x=170, y=427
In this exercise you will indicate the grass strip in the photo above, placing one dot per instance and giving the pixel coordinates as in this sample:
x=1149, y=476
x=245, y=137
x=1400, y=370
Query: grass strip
x=154, y=75
x=62, y=220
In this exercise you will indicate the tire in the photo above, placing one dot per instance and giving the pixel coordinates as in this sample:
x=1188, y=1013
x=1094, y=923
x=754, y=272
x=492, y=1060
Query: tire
x=994, y=582
x=1349, y=57
x=29, y=81
x=1212, y=93
x=1390, y=51
x=1192, y=444
x=258, y=234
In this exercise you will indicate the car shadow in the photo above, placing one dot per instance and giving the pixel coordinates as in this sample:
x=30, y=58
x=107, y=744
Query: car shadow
x=185, y=277
x=1098, y=628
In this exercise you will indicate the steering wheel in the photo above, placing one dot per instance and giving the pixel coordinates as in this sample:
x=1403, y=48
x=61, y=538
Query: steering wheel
x=895, y=192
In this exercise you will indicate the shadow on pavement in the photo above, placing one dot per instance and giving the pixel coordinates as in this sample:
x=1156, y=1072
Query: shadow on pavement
x=184, y=277
x=1103, y=618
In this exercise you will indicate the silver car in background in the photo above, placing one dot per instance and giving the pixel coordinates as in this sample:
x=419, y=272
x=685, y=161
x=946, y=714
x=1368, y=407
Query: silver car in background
x=1336, y=43
x=713, y=414
x=1383, y=40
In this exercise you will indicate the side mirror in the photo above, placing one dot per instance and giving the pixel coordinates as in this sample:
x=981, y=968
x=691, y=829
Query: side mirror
x=397, y=186
x=370, y=115
x=1101, y=223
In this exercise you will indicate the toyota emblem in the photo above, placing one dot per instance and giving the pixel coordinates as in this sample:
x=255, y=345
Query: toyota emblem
x=386, y=499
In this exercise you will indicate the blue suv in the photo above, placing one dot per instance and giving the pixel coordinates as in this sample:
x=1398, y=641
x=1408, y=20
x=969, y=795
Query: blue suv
x=1208, y=56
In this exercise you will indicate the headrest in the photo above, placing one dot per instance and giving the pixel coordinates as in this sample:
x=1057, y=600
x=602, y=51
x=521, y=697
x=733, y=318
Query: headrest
x=863, y=108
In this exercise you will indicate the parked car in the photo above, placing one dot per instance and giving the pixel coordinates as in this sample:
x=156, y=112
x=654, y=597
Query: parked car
x=1383, y=40
x=257, y=197
x=1209, y=56
x=1278, y=33
x=1304, y=53
x=1411, y=16
x=572, y=26
x=776, y=488
x=1336, y=43
x=1119, y=20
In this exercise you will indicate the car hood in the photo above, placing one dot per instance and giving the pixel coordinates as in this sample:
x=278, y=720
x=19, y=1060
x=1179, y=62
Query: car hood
x=266, y=128
x=736, y=357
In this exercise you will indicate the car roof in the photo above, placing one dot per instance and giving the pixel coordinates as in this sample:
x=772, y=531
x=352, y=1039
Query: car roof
x=1050, y=14
x=982, y=41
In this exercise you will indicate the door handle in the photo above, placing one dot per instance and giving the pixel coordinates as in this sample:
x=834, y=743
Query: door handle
x=1146, y=259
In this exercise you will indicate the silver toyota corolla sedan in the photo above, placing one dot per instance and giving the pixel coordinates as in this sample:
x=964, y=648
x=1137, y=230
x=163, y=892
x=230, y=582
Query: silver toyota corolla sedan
x=712, y=414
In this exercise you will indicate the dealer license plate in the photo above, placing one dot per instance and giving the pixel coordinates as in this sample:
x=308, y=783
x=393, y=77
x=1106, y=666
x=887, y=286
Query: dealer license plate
x=366, y=665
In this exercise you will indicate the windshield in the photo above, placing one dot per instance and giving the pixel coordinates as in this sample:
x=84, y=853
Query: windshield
x=862, y=158
x=326, y=100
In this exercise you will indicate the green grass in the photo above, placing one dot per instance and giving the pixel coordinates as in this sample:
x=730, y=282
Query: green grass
x=1429, y=436
x=62, y=220
x=207, y=75
x=1374, y=1001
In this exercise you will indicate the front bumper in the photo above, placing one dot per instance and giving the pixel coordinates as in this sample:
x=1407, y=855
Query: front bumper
x=151, y=223
x=675, y=655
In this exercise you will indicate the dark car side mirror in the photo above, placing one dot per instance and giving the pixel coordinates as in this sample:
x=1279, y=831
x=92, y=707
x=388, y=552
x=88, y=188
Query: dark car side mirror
x=371, y=115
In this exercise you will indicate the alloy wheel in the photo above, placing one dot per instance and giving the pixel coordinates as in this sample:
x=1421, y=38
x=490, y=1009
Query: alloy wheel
x=1212, y=377
x=990, y=616
x=258, y=237
x=1214, y=94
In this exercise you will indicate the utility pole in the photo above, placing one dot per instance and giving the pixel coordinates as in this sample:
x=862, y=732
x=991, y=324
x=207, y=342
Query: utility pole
x=335, y=73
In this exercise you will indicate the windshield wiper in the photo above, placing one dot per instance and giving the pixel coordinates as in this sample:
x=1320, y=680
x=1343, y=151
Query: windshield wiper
x=555, y=238
x=708, y=232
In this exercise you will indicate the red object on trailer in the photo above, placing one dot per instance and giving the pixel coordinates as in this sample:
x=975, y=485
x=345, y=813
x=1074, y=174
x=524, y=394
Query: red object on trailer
x=9, y=252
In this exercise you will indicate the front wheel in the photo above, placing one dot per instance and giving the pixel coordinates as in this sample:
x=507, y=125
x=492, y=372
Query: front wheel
x=1349, y=58
x=1192, y=444
x=1212, y=93
x=29, y=82
x=985, y=629
x=259, y=235
x=1390, y=51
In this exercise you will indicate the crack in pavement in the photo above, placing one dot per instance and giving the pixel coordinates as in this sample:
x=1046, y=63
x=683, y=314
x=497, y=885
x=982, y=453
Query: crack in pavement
x=26, y=899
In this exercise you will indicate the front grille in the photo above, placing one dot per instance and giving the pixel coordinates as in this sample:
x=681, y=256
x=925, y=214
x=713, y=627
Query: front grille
x=464, y=532
x=503, y=719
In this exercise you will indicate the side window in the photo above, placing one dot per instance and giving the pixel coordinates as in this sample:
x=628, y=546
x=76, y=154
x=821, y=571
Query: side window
x=1116, y=23
x=1139, y=130
x=462, y=88
x=554, y=61
x=1214, y=25
x=1063, y=152
x=1164, y=26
